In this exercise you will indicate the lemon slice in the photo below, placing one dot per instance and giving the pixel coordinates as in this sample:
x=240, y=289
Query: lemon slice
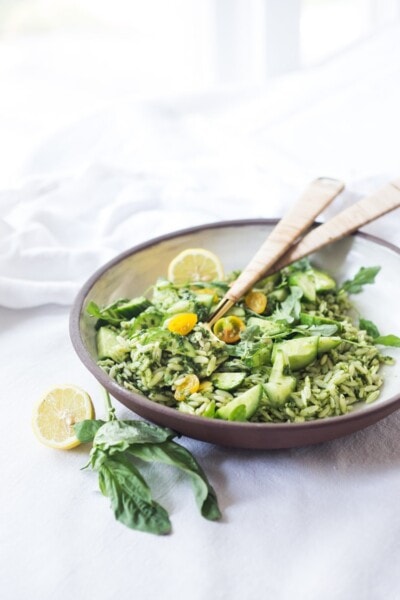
x=56, y=413
x=195, y=264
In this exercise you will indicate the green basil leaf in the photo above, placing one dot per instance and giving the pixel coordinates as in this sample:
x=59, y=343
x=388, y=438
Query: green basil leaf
x=117, y=436
x=173, y=454
x=388, y=340
x=369, y=327
x=97, y=458
x=364, y=276
x=130, y=497
x=86, y=430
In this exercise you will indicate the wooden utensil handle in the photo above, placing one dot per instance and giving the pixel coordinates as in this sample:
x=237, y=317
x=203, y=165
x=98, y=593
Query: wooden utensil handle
x=347, y=221
x=316, y=197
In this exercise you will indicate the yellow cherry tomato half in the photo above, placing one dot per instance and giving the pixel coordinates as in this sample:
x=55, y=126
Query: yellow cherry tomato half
x=228, y=329
x=256, y=301
x=182, y=323
x=186, y=385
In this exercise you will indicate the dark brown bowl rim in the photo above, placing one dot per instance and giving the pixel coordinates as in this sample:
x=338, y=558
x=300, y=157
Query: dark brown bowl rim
x=145, y=403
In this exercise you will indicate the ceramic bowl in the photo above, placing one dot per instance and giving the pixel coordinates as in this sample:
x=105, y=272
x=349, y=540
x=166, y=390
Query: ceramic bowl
x=133, y=271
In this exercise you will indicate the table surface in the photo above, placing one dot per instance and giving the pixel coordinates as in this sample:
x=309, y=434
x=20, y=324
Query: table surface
x=313, y=522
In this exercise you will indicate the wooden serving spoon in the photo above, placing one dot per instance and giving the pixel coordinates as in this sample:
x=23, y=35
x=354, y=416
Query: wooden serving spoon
x=344, y=223
x=317, y=196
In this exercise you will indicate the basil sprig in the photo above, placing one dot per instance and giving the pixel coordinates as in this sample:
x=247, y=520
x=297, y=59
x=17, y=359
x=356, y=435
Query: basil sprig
x=117, y=445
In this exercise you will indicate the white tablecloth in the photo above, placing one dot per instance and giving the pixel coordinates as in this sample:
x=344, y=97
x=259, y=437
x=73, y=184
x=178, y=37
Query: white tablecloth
x=310, y=523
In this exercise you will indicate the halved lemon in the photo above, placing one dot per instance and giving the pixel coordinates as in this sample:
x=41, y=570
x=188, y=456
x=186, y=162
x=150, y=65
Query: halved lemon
x=195, y=264
x=56, y=413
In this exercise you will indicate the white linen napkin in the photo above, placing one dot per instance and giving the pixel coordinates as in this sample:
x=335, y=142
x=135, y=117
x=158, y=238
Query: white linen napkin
x=54, y=235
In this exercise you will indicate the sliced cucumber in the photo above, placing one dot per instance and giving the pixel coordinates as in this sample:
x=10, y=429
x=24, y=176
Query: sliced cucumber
x=279, y=386
x=278, y=392
x=306, y=319
x=205, y=299
x=323, y=282
x=108, y=345
x=278, y=295
x=305, y=281
x=261, y=357
x=328, y=343
x=299, y=352
x=227, y=381
x=132, y=308
x=243, y=407
x=268, y=326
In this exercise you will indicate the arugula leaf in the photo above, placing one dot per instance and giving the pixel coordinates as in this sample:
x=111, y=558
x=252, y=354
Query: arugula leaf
x=369, y=327
x=121, y=310
x=130, y=497
x=104, y=315
x=373, y=331
x=364, y=276
x=290, y=308
x=388, y=340
x=86, y=430
x=173, y=454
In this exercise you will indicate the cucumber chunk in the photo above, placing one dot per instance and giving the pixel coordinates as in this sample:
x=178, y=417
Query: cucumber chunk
x=278, y=295
x=299, y=352
x=267, y=326
x=259, y=358
x=227, y=381
x=206, y=300
x=243, y=407
x=327, y=343
x=132, y=308
x=278, y=392
x=279, y=386
x=305, y=281
x=306, y=319
x=323, y=282
x=108, y=345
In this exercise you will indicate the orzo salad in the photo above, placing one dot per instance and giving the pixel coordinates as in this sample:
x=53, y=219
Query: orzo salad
x=292, y=350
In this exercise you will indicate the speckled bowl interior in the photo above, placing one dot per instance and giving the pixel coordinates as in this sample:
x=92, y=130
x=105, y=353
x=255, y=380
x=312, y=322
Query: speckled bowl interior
x=132, y=272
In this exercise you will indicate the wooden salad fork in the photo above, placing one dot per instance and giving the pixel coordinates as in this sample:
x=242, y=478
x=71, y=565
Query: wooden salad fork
x=287, y=233
x=317, y=196
x=373, y=206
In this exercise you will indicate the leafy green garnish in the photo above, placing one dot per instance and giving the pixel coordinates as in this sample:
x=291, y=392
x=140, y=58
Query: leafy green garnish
x=325, y=330
x=116, y=443
x=118, y=311
x=86, y=430
x=130, y=496
x=171, y=453
x=373, y=331
x=290, y=308
x=388, y=340
x=365, y=275
x=300, y=265
x=369, y=327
